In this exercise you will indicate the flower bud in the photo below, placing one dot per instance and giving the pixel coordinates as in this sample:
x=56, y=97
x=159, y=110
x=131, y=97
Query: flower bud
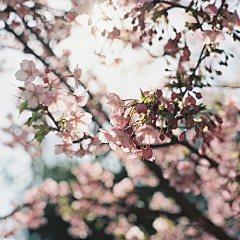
x=198, y=95
x=152, y=116
x=159, y=93
x=219, y=119
x=141, y=108
x=147, y=153
x=47, y=70
x=170, y=107
x=182, y=136
x=162, y=135
x=169, y=133
x=45, y=80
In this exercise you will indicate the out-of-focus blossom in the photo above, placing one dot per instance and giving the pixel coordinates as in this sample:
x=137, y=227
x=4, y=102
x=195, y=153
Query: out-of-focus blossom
x=134, y=233
x=28, y=71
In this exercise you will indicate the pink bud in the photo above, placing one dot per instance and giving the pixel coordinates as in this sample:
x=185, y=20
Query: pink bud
x=47, y=70
x=219, y=119
x=198, y=95
x=169, y=133
x=45, y=80
x=170, y=107
x=141, y=108
x=71, y=17
x=182, y=137
x=162, y=135
x=174, y=95
x=159, y=93
x=147, y=153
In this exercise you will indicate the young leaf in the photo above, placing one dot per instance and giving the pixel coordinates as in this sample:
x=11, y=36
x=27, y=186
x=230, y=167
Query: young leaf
x=23, y=106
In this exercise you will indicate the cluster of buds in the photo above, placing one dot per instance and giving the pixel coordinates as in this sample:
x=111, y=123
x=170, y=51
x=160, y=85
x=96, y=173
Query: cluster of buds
x=140, y=123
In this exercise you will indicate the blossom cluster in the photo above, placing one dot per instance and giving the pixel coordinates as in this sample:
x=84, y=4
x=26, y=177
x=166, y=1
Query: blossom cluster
x=49, y=98
x=140, y=124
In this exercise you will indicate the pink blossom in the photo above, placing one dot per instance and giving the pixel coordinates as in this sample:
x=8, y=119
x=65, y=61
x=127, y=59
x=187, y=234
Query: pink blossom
x=66, y=136
x=82, y=152
x=106, y=137
x=32, y=195
x=134, y=233
x=211, y=9
x=215, y=37
x=122, y=188
x=64, y=189
x=160, y=224
x=22, y=11
x=145, y=153
x=65, y=148
x=114, y=34
x=79, y=122
x=82, y=99
x=118, y=121
x=28, y=71
x=77, y=74
x=232, y=21
x=33, y=94
x=84, y=7
x=186, y=168
x=147, y=133
x=228, y=168
x=50, y=187
x=115, y=103
x=71, y=16
x=54, y=100
x=122, y=139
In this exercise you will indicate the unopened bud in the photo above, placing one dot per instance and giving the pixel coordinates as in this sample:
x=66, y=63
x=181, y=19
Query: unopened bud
x=182, y=137
x=170, y=107
x=219, y=119
x=159, y=93
x=47, y=70
x=169, y=133
x=152, y=116
x=45, y=80
x=141, y=108
x=162, y=135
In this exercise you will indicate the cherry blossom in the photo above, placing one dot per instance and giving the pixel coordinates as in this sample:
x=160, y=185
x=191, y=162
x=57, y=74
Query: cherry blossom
x=79, y=122
x=28, y=71
x=54, y=100
x=33, y=94
x=77, y=74
x=115, y=103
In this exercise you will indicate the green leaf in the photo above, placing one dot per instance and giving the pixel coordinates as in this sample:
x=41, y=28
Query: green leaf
x=39, y=136
x=23, y=106
x=142, y=95
x=22, y=88
x=33, y=118
x=178, y=75
x=44, y=122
